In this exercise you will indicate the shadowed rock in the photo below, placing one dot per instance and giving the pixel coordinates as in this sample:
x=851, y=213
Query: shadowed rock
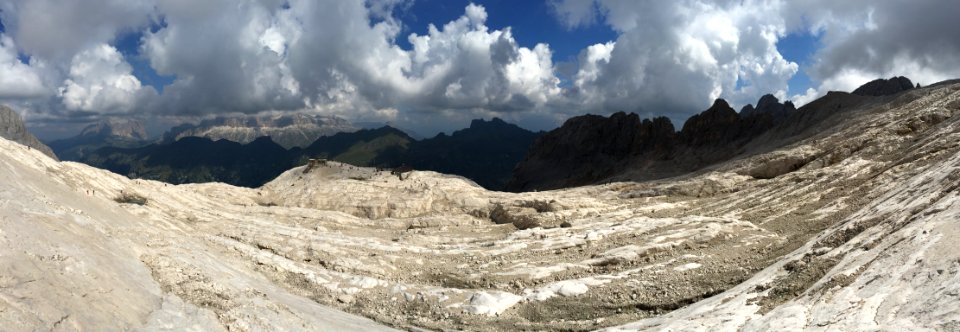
x=12, y=128
x=588, y=148
x=884, y=87
x=592, y=148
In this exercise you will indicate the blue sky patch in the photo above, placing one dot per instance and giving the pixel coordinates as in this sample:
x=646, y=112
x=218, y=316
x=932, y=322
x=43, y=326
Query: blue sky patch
x=799, y=48
x=128, y=44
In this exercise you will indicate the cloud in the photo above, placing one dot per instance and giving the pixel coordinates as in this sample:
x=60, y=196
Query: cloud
x=101, y=81
x=574, y=13
x=18, y=80
x=464, y=65
x=342, y=57
x=673, y=58
x=56, y=30
x=237, y=64
x=864, y=40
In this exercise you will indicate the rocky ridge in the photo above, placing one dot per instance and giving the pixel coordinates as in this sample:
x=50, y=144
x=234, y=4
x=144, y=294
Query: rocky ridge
x=715, y=135
x=590, y=148
x=288, y=130
x=884, y=87
x=13, y=128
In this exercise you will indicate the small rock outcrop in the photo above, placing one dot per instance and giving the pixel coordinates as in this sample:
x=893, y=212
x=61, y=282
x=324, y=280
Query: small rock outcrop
x=12, y=128
x=884, y=87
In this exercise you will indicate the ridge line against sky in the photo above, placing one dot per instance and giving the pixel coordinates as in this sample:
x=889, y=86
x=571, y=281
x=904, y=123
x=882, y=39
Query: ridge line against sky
x=432, y=65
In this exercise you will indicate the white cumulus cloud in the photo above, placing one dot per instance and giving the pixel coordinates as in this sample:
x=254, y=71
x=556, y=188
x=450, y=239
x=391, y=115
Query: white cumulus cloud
x=673, y=58
x=100, y=81
x=17, y=79
x=60, y=59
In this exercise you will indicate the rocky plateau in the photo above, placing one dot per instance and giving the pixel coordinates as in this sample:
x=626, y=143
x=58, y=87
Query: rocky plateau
x=845, y=220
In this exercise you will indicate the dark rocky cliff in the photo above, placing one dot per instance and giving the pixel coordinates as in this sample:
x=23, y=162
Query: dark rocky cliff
x=589, y=149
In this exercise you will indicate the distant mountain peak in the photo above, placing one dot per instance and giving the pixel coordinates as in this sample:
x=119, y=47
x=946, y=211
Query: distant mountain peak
x=482, y=122
x=767, y=100
x=492, y=123
x=770, y=105
x=132, y=129
x=719, y=104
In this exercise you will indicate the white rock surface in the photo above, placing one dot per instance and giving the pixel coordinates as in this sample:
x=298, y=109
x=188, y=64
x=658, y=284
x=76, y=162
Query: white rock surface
x=490, y=303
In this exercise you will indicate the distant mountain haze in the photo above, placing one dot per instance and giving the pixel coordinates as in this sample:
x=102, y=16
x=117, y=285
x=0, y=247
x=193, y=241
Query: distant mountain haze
x=288, y=130
x=105, y=133
x=131, y=129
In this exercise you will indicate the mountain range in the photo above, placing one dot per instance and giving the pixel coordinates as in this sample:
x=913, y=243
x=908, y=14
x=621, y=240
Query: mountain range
x=585, y=150
x=486, y=152
x=287, y=130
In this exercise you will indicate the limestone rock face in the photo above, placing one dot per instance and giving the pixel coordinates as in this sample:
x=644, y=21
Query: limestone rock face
x=12, y=128
x=885, y=87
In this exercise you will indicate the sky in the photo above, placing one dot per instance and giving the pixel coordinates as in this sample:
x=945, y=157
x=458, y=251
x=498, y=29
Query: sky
x=433, y=65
